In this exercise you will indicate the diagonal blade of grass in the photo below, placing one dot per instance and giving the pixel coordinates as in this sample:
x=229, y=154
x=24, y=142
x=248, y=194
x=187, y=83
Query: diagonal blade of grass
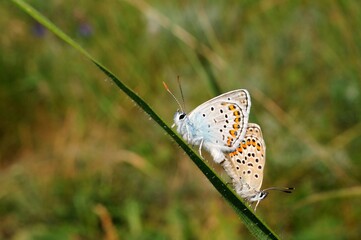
x=254, y=224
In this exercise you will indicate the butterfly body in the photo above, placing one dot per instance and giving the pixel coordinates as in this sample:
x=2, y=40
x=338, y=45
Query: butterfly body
x=217, y=125
x=245, y=165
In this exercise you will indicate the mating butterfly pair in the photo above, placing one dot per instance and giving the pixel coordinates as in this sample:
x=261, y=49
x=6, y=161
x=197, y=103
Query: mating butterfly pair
x=221, y=126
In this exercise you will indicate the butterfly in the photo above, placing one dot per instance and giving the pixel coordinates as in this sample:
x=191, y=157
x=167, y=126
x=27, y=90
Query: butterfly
x=217, y=125
x=245, y=166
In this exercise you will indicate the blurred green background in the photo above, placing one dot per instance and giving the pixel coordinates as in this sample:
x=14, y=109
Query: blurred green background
x=79, y=160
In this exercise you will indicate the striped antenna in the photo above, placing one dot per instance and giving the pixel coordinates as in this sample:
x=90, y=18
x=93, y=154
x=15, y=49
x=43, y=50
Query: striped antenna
x=168, y=90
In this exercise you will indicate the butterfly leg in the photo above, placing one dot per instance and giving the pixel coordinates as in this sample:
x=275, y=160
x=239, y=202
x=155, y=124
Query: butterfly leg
x=255, y=207
x=200, y=148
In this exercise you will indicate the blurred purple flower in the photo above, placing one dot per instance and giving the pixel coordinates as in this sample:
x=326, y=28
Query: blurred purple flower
x=38, y=29
x=85, y=30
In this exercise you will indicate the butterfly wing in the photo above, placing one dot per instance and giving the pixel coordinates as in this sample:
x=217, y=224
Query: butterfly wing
x=222, y=121
x=248, y=161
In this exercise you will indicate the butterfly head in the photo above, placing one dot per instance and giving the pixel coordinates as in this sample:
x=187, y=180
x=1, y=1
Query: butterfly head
x=259, y=196
x=179, y=118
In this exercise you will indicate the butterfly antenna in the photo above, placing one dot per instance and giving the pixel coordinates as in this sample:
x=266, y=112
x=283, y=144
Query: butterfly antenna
x=282, y=189
x=181, y=91
x=166, y=88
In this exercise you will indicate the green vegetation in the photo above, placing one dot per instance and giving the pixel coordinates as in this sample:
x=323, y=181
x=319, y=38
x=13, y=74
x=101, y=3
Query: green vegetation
x=80, y=160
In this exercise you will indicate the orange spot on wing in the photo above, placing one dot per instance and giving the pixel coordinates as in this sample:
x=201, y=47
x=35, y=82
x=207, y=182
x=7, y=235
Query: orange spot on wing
x=258, y=147
x=232, y=154
x=236, y=113
x=233, y=133
x=231, y=107
x=229, y=141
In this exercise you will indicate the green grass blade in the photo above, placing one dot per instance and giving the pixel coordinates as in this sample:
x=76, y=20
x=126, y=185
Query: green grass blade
x=252, y=222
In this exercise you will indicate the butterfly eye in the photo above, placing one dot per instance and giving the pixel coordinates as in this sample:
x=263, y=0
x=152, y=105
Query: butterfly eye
x=182, y=116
